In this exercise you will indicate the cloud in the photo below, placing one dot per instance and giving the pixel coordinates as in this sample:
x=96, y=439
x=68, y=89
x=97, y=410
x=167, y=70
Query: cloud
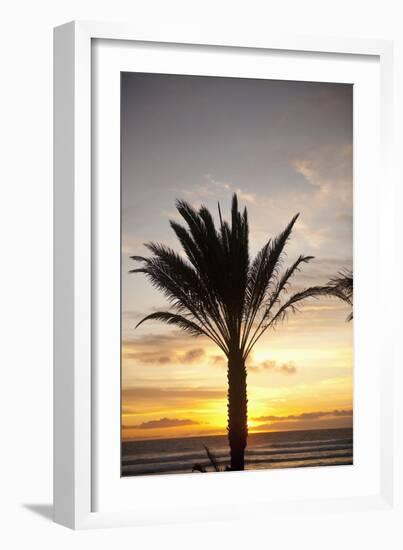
x=161, y=349
x=192, y=355
x=219, y=360
x=217, y=183
x=247, y=197
x=131, y=242
x=270, y=365
x=288, y=368
x=305, y=168
x=162, y=423
x=148, y=357
x=163, y=400
x=176, y=394
x=328, y=168
x=316, y=236
x=215, y=188
x=306, y=416
x=127, y=410
x=173, y=348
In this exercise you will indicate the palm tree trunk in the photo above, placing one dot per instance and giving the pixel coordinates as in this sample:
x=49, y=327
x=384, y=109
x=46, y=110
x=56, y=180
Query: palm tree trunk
x=237, y=410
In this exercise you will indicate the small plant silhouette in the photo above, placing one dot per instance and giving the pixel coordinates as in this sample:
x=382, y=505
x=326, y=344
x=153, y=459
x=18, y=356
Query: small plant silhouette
x=213, y=461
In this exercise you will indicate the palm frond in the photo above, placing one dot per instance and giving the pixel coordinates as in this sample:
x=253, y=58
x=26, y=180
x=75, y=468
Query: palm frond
x=212, y=253
x=174, y=319
x=183, y=323
x=262, y=273
x=167, y=272
x=284, y=282
x=274, y=297
x=298, y=297
x=190, y=248
x=216, y=287
x=342, y=287
x=290, y=306
x=343, y=284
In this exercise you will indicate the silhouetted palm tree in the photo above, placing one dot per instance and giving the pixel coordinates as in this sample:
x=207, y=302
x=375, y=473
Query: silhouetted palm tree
x=341, y=286
x=218, y=292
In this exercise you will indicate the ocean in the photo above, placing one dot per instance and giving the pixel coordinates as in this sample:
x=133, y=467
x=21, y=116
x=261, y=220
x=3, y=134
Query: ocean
x=295, y=449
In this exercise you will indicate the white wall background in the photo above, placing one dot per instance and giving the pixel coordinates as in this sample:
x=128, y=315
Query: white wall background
x=26, y=255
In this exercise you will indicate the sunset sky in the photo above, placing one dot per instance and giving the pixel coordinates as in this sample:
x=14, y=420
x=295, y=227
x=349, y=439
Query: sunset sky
x=283, y=147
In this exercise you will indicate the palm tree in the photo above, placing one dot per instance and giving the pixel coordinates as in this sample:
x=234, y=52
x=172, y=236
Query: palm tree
x=341, y=286
x=216, y=290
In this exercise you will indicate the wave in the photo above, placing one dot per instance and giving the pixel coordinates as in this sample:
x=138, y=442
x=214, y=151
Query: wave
x=347, y=441
x=261, y=452
x=280, y=460
x=265, y=450
x=181, y=467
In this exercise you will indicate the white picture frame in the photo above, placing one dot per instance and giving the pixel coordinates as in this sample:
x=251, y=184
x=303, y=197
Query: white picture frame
x=79, y=477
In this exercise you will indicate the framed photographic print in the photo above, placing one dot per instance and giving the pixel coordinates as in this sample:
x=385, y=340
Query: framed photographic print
x=220, y=232
x=206, y=382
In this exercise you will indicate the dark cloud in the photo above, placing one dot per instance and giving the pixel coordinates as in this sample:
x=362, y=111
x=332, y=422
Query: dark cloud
x=154, y=339
x=162, y=395
x=306, y=421
x=267, y=365
x=306, y=416
x=161, y=349
x=219, y=360
x=129, y=410
x=288, y=368
x=162, y=423
x=285, y=368
x=149, y=357
x=270, y=365
x=192, y=355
